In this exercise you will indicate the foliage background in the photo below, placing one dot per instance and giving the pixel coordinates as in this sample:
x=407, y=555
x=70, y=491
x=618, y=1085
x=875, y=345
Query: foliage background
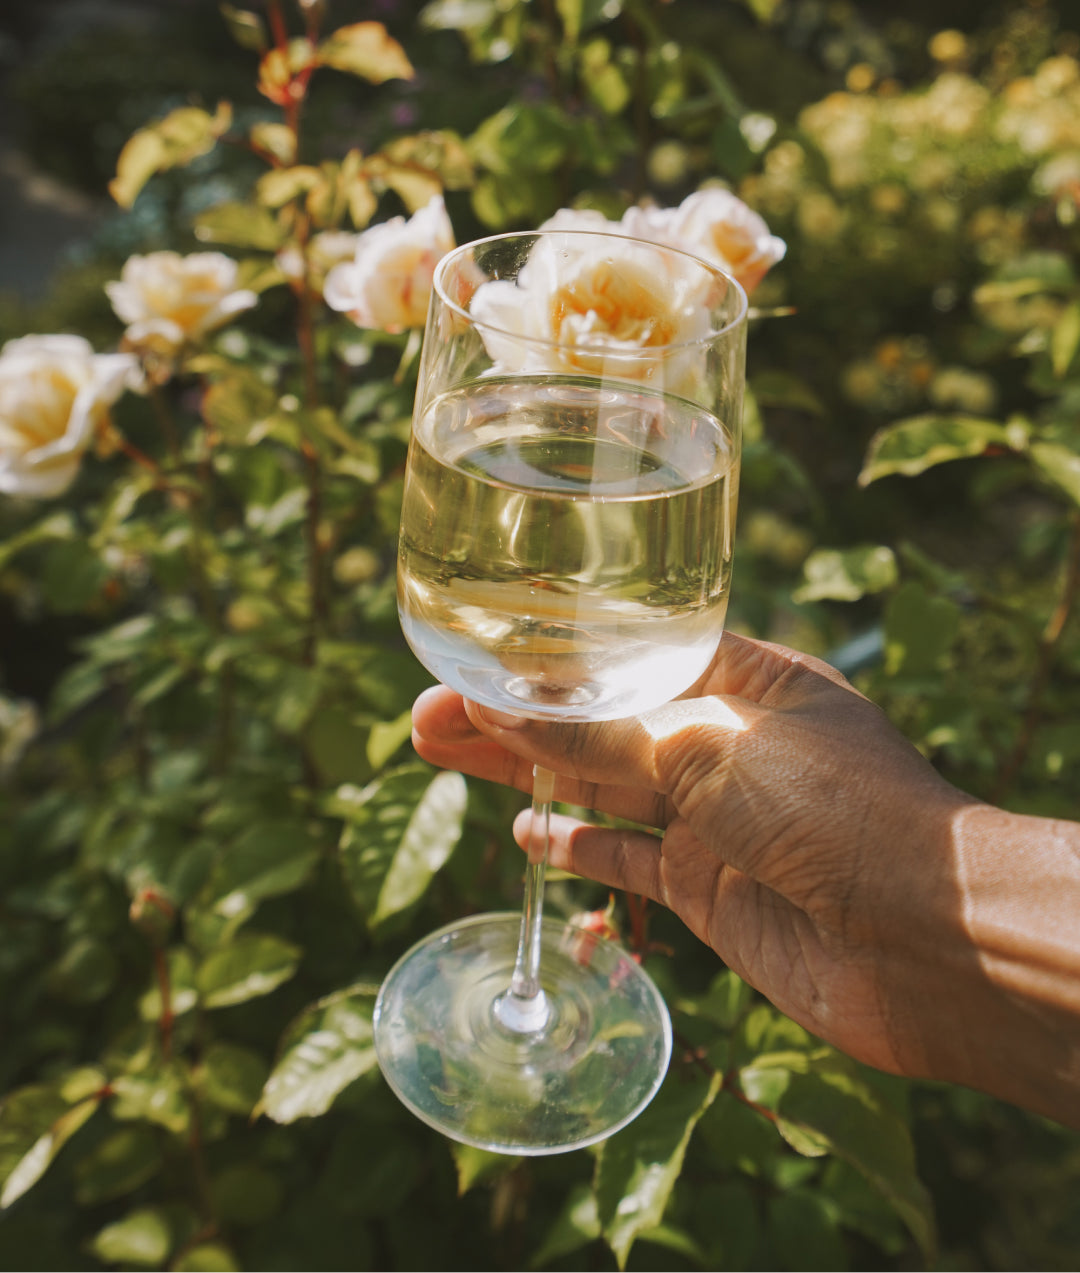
x=205, y=788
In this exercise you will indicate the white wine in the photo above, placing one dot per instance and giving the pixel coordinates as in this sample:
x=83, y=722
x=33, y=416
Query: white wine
x=566, y=545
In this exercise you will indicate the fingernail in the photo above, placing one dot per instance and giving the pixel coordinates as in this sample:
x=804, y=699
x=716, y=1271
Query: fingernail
x=503, y=720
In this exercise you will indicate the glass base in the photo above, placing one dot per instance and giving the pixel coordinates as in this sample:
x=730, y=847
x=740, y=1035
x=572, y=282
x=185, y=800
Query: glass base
x=498, y=1079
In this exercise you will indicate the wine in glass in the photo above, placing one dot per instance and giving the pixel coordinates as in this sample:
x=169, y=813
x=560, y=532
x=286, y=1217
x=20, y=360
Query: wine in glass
x=565, y=552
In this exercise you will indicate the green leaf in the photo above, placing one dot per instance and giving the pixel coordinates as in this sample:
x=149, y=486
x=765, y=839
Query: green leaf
x=157, y=1095
x=401, y=830
x=73, y=576
x=577, y=1224
x=21, y=1115
x=860, y=1128
x=368, y=50
x=834, y=574
x=804, y=1233
x=912, y=446
x=523, y=137
x=1059, y=464
x=117, y=1165
x=240, y=225
x=266, y=860
x=328, y=1047
x=246, y=1194
x=279, y=186
x=142, y=1238
x=638, y=1167
x=724, y=1003
x=56, y=526
x=245, y=27
x=180, y=137
x=253, y=964
x=783, y=389
x=206, y=1257
x=604, y=81
x=919, y=630
x=1065, y=339
x=232, y=1077
x=479, y=1166
x=386, y=737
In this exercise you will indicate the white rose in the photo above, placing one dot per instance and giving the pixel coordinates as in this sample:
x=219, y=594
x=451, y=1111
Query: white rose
x=168, y=299
x=610, y=306
x=54, y=394
x=387, y=285
x=717, y=226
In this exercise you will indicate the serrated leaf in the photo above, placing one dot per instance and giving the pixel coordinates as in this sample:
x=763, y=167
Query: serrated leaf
x=861, y=1129
x=402, y=829
x=638, y=1167
x=912, y=446
x=142, y=1238
x=835, y=574
x=329, y=1046
x=253, y=964
x=183, y=135
x=366, y=49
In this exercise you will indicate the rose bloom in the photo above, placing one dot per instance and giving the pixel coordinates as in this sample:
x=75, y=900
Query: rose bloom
x=717, y=226
x=168, y=300
x=387, y=285
x=583, y=305
x=55, y=392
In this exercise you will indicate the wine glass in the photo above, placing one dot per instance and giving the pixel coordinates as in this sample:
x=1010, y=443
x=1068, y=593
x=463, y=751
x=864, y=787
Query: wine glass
x=565, y=552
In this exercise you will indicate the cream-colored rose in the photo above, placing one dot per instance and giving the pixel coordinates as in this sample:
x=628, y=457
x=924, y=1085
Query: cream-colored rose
x=169, y=300
x=717, y=226
x=610, y=306
x=55, y=392
x=387, y=285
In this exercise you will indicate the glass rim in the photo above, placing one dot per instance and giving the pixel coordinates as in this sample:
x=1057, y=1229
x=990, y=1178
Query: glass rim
x=653, y=351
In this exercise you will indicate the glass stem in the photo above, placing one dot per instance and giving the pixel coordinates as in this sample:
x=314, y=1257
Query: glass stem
x=524, y=1007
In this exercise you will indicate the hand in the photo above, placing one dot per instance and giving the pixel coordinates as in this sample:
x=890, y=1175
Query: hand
x=805, y=840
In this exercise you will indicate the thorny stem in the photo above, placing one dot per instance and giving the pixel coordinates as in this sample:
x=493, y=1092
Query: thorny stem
x=1048, y=643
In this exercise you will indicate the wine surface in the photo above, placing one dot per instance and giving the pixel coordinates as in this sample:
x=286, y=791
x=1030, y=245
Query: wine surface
x=566, y=545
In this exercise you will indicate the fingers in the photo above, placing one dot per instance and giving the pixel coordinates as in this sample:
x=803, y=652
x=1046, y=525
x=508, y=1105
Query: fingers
x=457, y=735
x=623, y=859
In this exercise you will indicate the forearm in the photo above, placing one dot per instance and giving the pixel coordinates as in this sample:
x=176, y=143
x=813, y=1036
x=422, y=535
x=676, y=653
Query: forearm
x=1016, y=1032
